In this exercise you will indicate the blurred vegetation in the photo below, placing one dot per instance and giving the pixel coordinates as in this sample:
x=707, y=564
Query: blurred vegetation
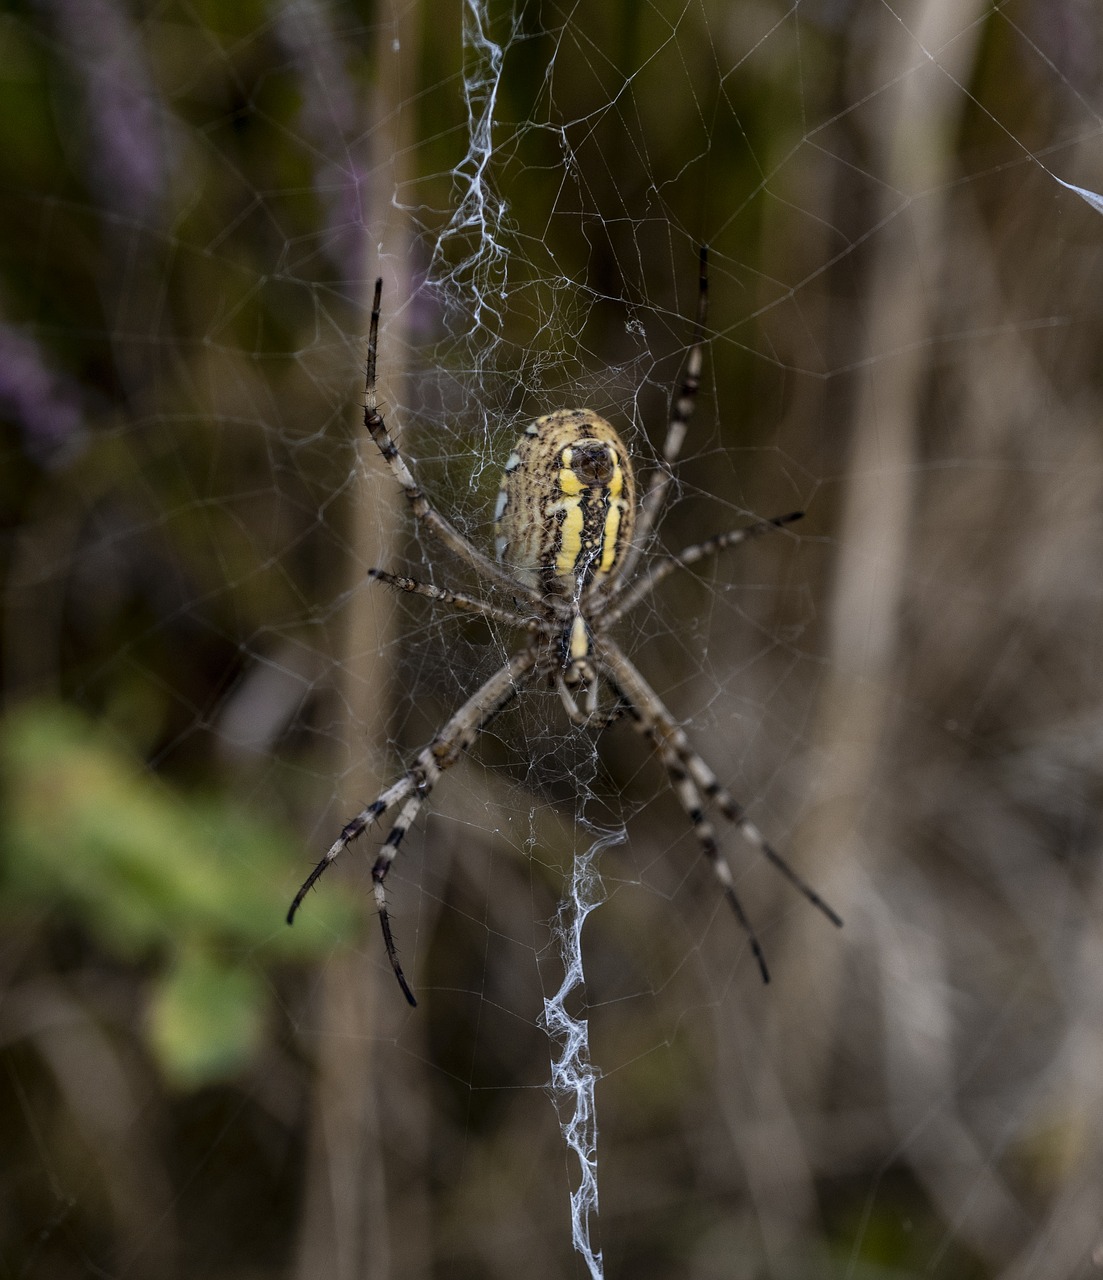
x=905, y=326
x=189, y=888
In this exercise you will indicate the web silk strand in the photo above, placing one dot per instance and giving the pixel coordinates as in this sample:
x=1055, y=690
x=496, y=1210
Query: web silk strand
x=573, y=1075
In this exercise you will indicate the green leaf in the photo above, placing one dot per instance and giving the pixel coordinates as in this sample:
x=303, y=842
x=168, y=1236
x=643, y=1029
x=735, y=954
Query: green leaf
x=194, y=884
x=141, y=864
x=207, y=1019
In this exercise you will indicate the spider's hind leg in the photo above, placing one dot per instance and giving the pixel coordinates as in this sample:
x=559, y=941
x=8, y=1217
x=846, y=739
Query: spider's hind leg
x=692, y=803
x=735, y=813
x=694, y=782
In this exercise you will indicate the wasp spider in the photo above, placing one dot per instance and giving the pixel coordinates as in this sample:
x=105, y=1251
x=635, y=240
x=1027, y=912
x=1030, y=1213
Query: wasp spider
x=569, y=534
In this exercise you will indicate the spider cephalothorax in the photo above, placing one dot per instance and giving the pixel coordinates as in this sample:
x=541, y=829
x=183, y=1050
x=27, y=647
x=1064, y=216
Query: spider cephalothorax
x=568, y=535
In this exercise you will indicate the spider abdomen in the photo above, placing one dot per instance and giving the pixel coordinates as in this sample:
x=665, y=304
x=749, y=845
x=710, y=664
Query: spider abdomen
x=567, y=506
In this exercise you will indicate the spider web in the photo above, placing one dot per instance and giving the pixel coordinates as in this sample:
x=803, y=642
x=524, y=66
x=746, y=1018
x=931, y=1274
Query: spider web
x=900, y=203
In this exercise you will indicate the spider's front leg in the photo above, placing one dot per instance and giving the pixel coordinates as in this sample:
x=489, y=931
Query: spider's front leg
x=413, y=788
x=685, y=402
x=424, y=512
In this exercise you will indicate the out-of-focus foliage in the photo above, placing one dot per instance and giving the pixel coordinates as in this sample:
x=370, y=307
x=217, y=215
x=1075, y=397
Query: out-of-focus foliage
x=905, y=327
x=191, y=887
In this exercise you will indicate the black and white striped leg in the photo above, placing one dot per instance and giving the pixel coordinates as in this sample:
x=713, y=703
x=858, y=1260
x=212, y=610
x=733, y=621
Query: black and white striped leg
x=737, y=814
x=670, y=739
x=690, y=799
x=685, y=402
x=413, y=788
x=423, y=510
x=455, y=600
x=642, y=586
x=382, y=865
x=353, y=828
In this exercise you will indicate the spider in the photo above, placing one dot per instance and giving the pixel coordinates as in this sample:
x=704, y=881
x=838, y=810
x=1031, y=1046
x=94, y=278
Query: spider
x=568, y=536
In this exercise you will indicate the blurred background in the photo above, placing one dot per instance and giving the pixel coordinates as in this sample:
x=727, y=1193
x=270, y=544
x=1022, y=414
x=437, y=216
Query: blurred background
x=200, y=686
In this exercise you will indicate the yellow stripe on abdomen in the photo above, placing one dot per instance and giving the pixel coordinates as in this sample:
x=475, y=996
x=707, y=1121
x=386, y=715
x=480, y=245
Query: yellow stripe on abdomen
x=566, y=508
